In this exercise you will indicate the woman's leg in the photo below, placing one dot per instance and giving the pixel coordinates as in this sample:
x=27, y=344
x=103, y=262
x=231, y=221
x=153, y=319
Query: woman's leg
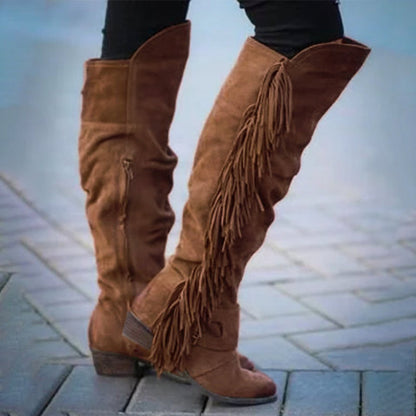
x=288, y=26
x=130, y=23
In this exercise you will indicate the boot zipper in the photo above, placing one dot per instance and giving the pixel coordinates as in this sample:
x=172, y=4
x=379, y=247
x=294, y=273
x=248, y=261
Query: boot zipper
x=128, y=176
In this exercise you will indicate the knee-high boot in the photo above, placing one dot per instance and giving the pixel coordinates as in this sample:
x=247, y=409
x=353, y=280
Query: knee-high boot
x=126, y=169
x=248, y=153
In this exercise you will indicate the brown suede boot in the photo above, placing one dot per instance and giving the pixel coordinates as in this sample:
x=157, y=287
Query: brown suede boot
x=126, y=169
x=247, y=156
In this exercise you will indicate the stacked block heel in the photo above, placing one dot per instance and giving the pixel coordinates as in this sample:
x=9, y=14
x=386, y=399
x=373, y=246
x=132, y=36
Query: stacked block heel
x=118, y=365
x=137, y=332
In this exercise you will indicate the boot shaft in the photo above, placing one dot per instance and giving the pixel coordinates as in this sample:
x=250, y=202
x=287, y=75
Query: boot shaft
x=318, y=74
x=125, y=162
x=261, y=136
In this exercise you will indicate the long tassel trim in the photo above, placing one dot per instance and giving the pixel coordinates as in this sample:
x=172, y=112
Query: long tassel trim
x=263, y=126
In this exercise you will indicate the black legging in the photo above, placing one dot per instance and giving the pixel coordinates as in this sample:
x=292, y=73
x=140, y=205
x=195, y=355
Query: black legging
x=287, y=26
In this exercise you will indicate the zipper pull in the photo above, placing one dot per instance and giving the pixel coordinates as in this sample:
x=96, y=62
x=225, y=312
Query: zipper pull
x=127, y=168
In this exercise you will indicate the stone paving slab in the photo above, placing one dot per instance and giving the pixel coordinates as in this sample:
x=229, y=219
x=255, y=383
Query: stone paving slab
x=214, y=408
x=405, y=274
x=294, y=307
x=400, y=357
x=373, y=221
x=322, y=394
x=278, y=353
x=268, y=258
x=165, y=397
x=83, y=390
x=377, y=334
x=410, y=244
x=388, y=394
x=349, y=310
x=75, y=331
x=369, y=251
x=70, y=259
x=318, y=240
x=404, y=259
x=57, y=296
x=338, y=284
x=328, y=261
x=293, y=273
x=398, y=291
x=272, y=302
x=24, y=395
x=67, y=311
x=313, y=220
x=44, y=281
x=280, y=325
x=27, y=344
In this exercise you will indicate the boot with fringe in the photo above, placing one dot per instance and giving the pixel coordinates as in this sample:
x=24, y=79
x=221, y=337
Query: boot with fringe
x=249, y=151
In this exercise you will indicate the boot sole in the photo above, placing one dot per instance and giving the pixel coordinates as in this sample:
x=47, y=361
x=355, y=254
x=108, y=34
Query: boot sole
x=140, y=334
x=239, y=401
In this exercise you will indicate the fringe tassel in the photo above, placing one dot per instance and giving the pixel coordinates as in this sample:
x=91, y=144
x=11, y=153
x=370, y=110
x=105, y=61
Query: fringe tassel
x=191, y=304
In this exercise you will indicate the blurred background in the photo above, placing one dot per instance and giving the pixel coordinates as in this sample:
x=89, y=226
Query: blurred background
x=363, y=149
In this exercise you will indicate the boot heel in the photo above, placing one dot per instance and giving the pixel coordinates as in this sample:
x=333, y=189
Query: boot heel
x=137, y=332
x=110, y=364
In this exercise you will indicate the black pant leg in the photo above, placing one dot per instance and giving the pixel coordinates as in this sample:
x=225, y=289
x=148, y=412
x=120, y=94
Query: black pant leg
x=129, y=23
x=288, y=26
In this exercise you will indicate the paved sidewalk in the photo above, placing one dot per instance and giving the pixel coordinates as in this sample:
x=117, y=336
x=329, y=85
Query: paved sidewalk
x=329, y=302
x=328, y=310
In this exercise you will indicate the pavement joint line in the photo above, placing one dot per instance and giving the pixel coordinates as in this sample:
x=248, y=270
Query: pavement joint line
x=42, y=309
x=318, y=312
x=50, y=339
x=284, y=397
x=285, y=335
x=306, y=351
x=398, y=276
x=360, y=399
x=250, y=315
x=27, y=241
x=328, y=274
x=28, y=297
x=204, y=405
x=281, y=334
x=363, y=345
x=366, y=324
x=133, y=390
x=56, y=390
x=309, y=370
x=54, y=224
x=414, y=386
x=332, y=291
x=51, y=323
x=6, y=281
x=57, y=272
x=255, y=317
x=401, y=297
x=75, y=361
